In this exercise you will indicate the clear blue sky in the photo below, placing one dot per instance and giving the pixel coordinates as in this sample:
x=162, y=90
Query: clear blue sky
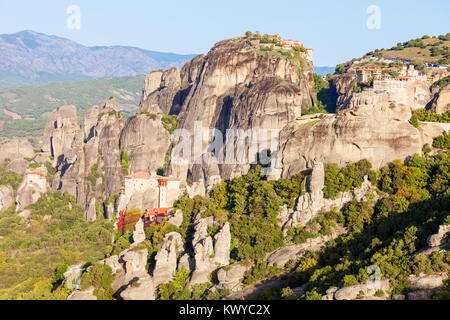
x=335, y=29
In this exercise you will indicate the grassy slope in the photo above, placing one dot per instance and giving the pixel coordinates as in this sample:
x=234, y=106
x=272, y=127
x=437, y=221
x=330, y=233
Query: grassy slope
x=35, y=103
x=417, y=53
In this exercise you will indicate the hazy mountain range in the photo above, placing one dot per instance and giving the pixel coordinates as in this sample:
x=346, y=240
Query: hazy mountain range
x=30, y=57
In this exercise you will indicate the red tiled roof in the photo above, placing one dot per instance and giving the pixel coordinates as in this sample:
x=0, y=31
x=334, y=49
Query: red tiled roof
x=37, y=174
x=157, y=212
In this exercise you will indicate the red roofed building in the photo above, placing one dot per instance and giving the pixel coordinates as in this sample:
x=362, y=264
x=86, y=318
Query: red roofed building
x=155, y=216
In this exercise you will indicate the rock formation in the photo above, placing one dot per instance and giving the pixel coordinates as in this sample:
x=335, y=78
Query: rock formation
x=176, y=219
x=139, y=234
x=441, y=100
x=33, y=186
x=209, y=256
x=439, y=239
x=166, y=259
x=231, y=277
x=242, y=87
x=86, y=295
x=146, y=142
x=15, y=149
x=142, y=289
x=87, y=161
x=6, y=197
x=424, y=286
x=313, y=201
x=361, y=290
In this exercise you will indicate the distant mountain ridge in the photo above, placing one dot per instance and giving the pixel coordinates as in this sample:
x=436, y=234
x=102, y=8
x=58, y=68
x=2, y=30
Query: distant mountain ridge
x=29, y=57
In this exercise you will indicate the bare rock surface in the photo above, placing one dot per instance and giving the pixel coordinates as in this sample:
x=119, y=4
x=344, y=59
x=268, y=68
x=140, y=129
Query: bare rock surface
x=231, y=277
x=141, y=289
x=32, y=187
x=166, y=259
x=6, y=197
x=368, y=289
x=83, y=295
x=209, y=256
x=15, y=149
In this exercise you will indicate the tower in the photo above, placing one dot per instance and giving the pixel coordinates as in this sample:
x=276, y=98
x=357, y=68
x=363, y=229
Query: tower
x=162, y=193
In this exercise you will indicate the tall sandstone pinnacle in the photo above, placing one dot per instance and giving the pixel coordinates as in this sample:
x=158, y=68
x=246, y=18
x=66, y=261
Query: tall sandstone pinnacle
x=237, y=85
x=87, y=161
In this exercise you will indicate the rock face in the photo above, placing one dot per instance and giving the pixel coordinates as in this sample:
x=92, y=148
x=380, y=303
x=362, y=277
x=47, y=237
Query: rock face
x=313, y=201
x=18, y=166
x=143, y=291
x=6, y=197
x=83, y=295
x=139, y=234
x=441, y=101
x=425, y=286
x=61, y=130
x=231, y=277
x=440, y=238
x=423, y=281
x=135, y=261
x=15, y=149
x=130, y=264
x=176, y=219
x=33, y=186
x=146, y=142
x=282, y=255
x=353, y=292
x=162, y=92
x=208, y=255
x=90, y=153
x=235, y=86
x=166, y=259
x=378, y=133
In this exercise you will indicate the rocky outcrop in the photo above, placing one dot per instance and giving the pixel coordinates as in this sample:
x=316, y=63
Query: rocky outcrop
x=130, y=266
x=72, y=277
x=209, y=256
x=135, y=261
x=231, y=277
x=176, y=219
x=162, y=92
x=283, y=255
x=18, y=166
x=6, y=197
x=361, y=290
x=313, y=201
x=235, y=86
x=139, y=234
x=60, y=133
x=440, y=238
x=378, y=133
x=114, y=263
x=141, y=289
x=90, y=153
x=441, y=100
x=146, y=142
x=33, y=186
x=15, y=149
x=166, y=259
x=86, y=295
x=425, y=286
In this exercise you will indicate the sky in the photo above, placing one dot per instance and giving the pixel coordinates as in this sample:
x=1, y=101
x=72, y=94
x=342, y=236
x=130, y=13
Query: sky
x=337, y=30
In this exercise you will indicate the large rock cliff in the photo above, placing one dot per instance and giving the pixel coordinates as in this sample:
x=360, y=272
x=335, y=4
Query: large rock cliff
x=87, y=161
